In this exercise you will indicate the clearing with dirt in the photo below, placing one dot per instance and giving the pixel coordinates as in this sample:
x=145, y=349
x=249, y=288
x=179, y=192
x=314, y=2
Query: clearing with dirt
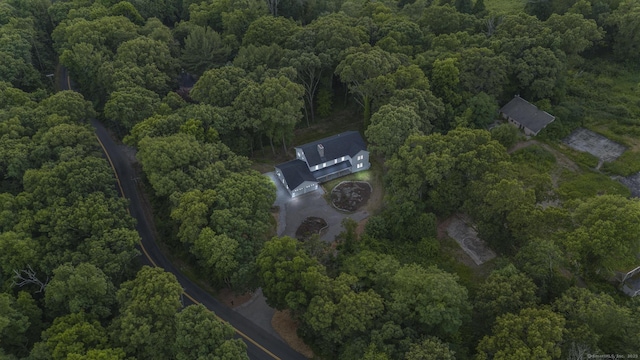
x=349, y=196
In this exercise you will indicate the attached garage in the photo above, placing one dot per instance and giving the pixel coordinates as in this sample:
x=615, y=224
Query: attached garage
x=296, y=177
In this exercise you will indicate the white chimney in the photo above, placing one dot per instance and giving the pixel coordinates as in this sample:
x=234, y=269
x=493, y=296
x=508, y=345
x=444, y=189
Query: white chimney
x=321, y=150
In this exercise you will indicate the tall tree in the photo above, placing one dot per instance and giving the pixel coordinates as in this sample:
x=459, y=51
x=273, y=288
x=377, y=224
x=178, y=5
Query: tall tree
x=288, y=276
x=129, y=106
x=390, y=127
x=363, y=71
x=605, y=235
x=200, y=335
x=81, y=288
x=147, y=329
x=532, y=333
x=203, y=49
x=429, y=300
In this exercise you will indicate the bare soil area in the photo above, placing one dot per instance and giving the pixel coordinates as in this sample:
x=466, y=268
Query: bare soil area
x=311, y=225
x=349, y=196
x=287, y=328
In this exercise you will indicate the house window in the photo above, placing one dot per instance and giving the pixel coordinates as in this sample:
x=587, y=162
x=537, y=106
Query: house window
x=360, y=157
x=316, y=167
x=359, y=166
x=343, y=158
x=324, y=165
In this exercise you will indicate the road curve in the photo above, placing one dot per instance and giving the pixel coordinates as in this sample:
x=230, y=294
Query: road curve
x=261, y=345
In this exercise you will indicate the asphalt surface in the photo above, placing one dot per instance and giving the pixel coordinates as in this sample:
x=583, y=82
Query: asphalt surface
x=260, y=344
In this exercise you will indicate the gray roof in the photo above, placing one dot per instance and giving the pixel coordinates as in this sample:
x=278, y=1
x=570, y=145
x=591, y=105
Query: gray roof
x=295, y=172
x=528, y=115
x=343, y=144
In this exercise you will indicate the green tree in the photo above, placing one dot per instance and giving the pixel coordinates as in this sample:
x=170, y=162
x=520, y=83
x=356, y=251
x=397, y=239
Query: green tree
x=596, y=323
x=146, y=329
x=105, y=33
x=81, y=288
x=267, y=30
x=332, y=34
x=288, y=276
x=499, y=204
x=419, y=169
x=340, y=313
x=429, y=300
x=390, y=126
x=203, y=49
x=13, y=326
x=537, y=71
x=445, y=79
x=309, y=69
x=530, y=334
x=200, y=335
x=129, y=106
x=363, y=70
x=605, y=235
x=430, y=348
x=72, y=334
x=481, y=69
x=626, y=37
x=575, y=33
x=219, y=87
x=280, y=104
x=506, y=134
x=506, y=290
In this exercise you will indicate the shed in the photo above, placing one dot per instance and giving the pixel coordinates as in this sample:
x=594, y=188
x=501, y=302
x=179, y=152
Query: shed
x=526, y=116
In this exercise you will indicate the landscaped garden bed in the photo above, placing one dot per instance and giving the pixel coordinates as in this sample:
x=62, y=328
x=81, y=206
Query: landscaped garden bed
x=349, y=196
x=310, y=226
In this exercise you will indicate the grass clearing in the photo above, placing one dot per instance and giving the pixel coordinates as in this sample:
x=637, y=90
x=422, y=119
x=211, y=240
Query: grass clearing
x=589, y=184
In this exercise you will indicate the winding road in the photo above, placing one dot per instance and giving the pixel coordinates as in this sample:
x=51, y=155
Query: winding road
x=260, y=344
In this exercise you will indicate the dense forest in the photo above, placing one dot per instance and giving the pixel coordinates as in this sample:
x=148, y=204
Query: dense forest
x=203, y=90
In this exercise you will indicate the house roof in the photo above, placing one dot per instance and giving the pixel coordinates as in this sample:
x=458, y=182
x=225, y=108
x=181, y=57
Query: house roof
x=343, y=144
x=295, y=172
x=527, y=114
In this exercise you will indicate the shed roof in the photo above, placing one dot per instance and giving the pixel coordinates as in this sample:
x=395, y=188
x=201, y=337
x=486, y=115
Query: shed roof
x=527, y=114
x=343, y=144
x=295, y=172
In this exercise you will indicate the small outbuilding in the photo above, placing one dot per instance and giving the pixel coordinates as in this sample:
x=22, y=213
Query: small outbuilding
x=526, y=116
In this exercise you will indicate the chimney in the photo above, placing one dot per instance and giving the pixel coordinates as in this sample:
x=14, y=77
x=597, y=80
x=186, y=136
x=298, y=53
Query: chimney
x=321, y=150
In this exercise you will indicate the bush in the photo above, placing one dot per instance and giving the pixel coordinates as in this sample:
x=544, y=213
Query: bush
x=589, y=185
x=627, y=164
x=506, y=134
x=535, y=156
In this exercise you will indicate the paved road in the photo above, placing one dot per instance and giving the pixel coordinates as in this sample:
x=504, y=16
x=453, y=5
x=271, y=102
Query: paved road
x=260, y=344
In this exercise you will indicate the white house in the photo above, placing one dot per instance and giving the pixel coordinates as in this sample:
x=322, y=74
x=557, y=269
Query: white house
x=323, y=160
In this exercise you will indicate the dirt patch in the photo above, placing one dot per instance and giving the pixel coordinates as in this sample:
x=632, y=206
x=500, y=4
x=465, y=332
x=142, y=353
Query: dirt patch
x=595, y=144
x=287, y=328
x=466, y=236
x=349, y=196
x=231, y=299
x=311, y=225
